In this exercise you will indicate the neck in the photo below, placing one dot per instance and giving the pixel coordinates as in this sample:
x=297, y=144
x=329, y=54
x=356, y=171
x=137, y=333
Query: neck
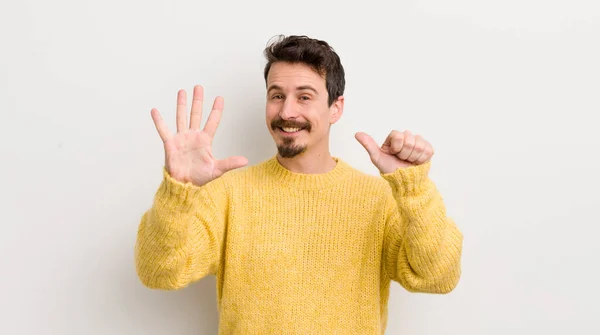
x=309, y=163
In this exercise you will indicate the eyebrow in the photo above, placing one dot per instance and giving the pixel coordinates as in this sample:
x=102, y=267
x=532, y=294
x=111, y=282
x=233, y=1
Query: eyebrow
x=299, y=88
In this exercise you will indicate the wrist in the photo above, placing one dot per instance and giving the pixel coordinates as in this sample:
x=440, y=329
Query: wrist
x=409, y=180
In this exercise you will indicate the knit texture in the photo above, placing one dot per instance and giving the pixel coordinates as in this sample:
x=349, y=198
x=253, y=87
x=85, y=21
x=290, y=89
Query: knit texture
x=301, y=253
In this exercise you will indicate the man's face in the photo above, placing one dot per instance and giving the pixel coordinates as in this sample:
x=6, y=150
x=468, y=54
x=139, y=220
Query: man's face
x=297, y=111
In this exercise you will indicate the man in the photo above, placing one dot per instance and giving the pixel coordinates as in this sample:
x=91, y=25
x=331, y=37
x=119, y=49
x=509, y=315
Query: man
x=301, y=243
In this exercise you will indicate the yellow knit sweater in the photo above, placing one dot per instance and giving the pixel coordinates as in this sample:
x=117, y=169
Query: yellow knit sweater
x=301, y=253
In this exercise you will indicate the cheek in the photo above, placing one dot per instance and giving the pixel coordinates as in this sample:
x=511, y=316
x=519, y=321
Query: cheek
x=321, y=121
x=270, y=113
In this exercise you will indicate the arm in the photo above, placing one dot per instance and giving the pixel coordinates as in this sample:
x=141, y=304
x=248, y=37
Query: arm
x=422, y=246
x=180, y=237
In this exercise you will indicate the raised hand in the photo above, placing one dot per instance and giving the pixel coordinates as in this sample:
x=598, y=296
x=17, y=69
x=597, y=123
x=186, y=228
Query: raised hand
x=399, y=150
x=188, y=153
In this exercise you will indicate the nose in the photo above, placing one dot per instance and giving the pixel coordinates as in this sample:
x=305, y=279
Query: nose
x=289, y=110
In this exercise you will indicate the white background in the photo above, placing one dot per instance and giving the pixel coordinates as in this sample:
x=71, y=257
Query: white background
x=506, y=91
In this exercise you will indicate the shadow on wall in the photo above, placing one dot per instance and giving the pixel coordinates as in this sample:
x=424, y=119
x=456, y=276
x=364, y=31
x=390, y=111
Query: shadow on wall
x=192, y=310
x=136, y=309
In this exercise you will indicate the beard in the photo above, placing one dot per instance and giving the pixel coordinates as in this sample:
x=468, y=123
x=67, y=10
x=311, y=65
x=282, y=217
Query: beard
x=288, y=148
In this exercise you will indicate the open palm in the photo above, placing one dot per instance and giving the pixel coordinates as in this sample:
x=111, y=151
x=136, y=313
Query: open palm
x=188, y=153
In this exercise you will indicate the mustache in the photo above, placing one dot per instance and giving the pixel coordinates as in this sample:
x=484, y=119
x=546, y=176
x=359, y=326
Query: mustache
x=281, y=123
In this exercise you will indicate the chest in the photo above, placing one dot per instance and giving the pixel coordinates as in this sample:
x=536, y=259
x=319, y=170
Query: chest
x=300, y=231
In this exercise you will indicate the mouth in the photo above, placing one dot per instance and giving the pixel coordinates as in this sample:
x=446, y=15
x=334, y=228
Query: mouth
x=289, y=130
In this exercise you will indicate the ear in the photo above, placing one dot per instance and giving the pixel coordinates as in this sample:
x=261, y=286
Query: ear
x=336, y=110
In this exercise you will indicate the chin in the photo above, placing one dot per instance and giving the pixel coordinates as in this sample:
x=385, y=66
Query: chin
x=290, y=150
x=290, y=154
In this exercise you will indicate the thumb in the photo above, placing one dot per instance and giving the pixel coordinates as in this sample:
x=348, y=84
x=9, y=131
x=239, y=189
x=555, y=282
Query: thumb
x=232, y=163
x=369, y=144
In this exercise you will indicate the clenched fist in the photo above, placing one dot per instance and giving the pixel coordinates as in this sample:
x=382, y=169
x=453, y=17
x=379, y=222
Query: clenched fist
x=399, y=150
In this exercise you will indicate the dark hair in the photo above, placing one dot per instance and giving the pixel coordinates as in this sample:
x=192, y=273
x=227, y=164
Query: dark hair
x=315, y=53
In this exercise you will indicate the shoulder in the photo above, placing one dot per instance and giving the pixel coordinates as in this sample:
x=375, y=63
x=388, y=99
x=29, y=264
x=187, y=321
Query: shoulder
x=223, y=188
x=370, y=184
x=244, y=175
x=371, y=190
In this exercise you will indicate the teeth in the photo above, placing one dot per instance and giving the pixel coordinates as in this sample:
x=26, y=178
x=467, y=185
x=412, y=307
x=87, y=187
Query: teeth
x=290, y=130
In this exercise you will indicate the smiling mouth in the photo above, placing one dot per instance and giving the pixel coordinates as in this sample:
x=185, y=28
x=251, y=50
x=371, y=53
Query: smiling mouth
x=290, y=130
x=285, y=131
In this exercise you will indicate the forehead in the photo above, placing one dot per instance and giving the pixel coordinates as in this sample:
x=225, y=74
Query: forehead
x=288, y=75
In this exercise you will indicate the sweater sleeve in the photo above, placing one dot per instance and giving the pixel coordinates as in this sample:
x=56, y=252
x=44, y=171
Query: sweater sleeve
x=422, y=245
x=180, y=238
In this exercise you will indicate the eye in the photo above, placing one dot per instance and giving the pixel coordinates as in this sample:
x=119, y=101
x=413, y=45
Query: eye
x=305, y=97
x=277, y=96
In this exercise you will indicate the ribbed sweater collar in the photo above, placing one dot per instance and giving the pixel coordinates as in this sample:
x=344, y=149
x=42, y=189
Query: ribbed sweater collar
x=339, y=174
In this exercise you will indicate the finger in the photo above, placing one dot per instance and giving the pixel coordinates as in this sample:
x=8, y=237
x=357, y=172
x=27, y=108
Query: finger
x=181, y=113
x=385, y=147
x=427, y=154
x=196, y=113
x=215, y=117
x=407, y=146
x=418, y=149
x=396, y=142
x=161, y=126
x=369, y=144
x=231, y=163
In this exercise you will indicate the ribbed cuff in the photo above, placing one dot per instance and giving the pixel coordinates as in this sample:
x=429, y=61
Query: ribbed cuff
x=176, y=193
x=409, y=181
